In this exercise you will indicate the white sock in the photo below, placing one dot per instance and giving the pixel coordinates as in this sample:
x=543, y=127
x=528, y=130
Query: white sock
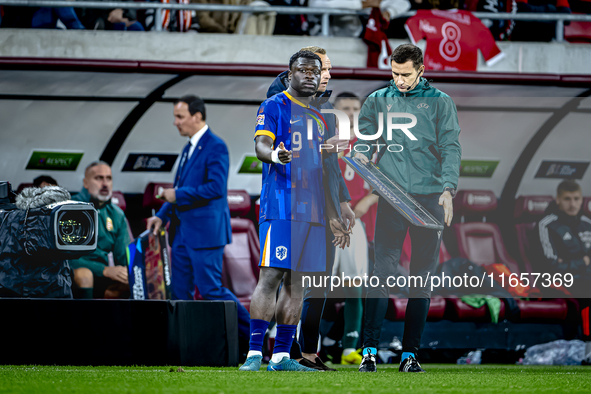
x=328, y=341
x=254, y=353
x=277, y=357
x=587, y=351
x=348, y=351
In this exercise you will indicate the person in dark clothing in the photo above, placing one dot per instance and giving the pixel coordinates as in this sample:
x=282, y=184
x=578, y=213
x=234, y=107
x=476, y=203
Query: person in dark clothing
x=305, y=348
x=538, y=31
x=565, y=237
x=565, y=245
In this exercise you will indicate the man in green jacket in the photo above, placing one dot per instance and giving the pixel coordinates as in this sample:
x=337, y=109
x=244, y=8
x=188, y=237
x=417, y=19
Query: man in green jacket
x=414, y=130
x=93, y=276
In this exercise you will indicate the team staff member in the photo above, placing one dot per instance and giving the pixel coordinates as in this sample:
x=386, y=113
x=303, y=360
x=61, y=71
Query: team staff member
x=427, y=168
x=565, y=242
x=197, y=208
x=93, y=277
x=565, y=233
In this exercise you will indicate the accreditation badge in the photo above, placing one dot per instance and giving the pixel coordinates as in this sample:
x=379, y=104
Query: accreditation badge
x=109, y=224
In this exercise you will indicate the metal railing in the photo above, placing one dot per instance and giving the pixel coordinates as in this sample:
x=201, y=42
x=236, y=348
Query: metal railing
x=285, y=10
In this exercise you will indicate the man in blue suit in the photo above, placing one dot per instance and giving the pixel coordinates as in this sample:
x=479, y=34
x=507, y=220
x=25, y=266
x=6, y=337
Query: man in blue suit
x=197, y=208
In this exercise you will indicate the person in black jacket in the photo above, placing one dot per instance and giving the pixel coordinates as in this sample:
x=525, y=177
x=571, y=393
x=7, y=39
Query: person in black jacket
x=565, y=240
x=565, y=234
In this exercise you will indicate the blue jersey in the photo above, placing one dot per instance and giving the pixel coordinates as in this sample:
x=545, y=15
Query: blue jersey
x=293, y=191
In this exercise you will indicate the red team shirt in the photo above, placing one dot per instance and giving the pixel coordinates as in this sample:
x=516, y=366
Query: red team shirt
x=453, y=39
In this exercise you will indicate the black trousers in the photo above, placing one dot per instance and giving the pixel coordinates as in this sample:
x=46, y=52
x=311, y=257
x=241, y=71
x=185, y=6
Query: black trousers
x=391, y=229
x=313, y=307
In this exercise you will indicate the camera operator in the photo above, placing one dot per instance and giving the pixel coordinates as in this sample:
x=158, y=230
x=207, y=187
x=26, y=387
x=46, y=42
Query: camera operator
x=93, y=277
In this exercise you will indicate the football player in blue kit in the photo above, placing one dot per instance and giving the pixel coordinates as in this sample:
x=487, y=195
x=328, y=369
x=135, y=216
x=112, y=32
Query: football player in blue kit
x=294, y=210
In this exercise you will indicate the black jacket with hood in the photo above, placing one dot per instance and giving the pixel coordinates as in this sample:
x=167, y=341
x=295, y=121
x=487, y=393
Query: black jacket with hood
x=565, y=238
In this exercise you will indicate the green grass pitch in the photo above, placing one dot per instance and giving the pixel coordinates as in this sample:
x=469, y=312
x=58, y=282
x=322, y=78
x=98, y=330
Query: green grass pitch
x=440, y=378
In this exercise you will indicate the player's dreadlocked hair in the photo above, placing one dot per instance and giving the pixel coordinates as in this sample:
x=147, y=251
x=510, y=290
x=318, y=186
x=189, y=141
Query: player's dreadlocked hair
x=306, y=54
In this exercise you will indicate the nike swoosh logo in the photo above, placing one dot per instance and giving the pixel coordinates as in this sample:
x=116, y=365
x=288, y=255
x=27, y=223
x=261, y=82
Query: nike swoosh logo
x=294, y=121
x=256, y=333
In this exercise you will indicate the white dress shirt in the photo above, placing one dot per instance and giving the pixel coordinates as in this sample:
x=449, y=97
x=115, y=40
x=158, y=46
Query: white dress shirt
x=195, y=140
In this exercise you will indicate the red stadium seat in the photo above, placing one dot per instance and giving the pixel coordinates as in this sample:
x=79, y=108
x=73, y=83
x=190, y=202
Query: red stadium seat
x=119, y=200
x=153, y=190
x=555, y=309
x=578, y=32
x=239, y=203
x=482, y=244
x=474, y=203
x=531, y=208
x=461, y=311
x=397, y=308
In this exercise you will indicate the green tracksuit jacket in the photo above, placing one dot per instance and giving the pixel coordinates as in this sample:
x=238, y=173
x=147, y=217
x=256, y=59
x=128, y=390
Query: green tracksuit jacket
x=112, y=237
x=418, y=168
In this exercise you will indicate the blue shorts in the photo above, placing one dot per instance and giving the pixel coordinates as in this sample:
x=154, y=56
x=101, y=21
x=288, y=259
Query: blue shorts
x=299, y=246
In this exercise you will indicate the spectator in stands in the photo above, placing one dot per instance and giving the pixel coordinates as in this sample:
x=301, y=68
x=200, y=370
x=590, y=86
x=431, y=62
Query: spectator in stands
x=197, y=209
x=565, y=234
x=44, y=180
x=500, y=29
x=217, y=21
x=290, y=25
x=114, y=19
x=565, y=240
x=93, y=275
x=47, y=18
x=538, y=31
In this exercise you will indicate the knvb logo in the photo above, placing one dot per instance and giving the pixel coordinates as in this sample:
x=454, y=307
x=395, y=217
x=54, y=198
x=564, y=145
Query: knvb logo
x=281, y=252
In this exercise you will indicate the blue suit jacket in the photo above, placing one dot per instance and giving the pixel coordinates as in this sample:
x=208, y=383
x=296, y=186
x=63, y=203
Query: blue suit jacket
x=201, y=210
